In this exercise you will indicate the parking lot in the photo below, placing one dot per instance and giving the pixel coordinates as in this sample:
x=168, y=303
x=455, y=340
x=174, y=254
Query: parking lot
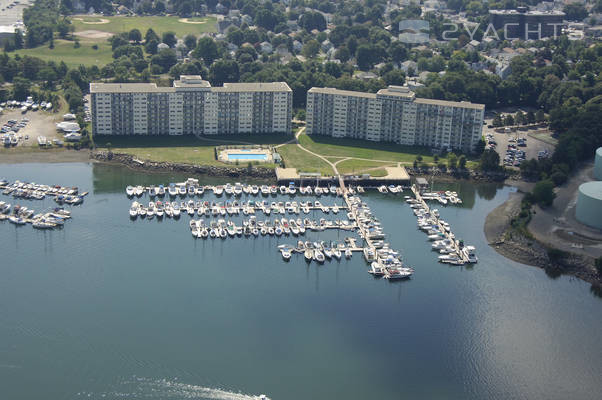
x=34, y=124
x=515, y=147
x=11, y=11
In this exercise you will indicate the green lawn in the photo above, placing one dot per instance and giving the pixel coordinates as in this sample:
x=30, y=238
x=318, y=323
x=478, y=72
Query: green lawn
x=359, y=166
x=182, y=149
x=64, y=51
x=294, y=157
x=328, y=146
x=160, y=24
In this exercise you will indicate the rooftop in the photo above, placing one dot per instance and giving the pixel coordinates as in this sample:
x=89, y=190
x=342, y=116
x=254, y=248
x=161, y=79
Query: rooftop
x=187, y=81
x=398, y=91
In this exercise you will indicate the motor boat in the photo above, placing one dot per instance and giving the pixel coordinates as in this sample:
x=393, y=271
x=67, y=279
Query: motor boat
x=129, y=190
x=319, y=256
x=376, y=269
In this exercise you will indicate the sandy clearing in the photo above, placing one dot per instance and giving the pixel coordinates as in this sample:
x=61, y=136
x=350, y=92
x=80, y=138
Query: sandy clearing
x=93, y=34
x=188, y=21
x=102, y=21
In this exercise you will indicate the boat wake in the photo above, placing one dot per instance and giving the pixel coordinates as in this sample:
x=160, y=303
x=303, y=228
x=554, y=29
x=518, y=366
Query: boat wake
x=169, y=389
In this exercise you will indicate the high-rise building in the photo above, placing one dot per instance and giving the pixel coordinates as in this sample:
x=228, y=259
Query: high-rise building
x=190, y=107
x=394, y=115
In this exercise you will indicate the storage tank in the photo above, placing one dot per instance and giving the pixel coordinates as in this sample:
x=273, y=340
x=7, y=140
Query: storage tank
x=598, y=164
x=589, y=204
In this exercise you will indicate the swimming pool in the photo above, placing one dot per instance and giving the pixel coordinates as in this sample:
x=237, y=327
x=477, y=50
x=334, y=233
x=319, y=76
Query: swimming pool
x=247, y=156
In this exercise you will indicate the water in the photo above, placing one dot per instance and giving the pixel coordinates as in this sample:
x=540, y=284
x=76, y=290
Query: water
x=247, y=156
x=109, y=308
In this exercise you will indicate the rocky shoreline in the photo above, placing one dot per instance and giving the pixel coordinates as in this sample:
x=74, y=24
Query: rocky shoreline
x=209, y=170
x=514, y=245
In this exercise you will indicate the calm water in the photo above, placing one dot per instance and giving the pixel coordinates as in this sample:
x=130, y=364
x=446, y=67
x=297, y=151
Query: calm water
x=109, y=308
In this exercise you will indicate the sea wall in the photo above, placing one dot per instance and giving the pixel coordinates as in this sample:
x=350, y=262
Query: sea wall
x=209, y=170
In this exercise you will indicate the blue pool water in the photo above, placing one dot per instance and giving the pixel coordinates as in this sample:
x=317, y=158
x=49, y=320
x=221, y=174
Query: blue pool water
x=247, y=156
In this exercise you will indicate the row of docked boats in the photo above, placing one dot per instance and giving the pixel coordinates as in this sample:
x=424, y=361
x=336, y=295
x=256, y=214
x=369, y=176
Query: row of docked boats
x=192, y=188
x=443, y=197
x=394, y=189
x=36, y=191
x=21, y=215
x=317, y=251
x=211, y=208
x=222, y=228
x=383, y=260
x=451, y=250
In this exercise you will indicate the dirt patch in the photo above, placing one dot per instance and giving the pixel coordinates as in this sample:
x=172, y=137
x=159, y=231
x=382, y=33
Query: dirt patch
x=93, y=34
x=188, y=21
x=99, y=22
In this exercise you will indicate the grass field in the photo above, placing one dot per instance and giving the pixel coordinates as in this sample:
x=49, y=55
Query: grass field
x=362, y=166
x=294, y=157
x=182, y=149
x=64, y=51
x=160, y=24
x=363, y=149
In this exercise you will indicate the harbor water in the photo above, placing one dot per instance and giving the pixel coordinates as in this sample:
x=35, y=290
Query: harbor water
x=110, y=308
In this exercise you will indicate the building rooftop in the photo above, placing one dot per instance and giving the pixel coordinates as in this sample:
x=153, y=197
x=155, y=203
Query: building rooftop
x=333, y=91
x=530, y=12
x=254, y=87
x=398, y=91
x=128, y=88
x=187, y=81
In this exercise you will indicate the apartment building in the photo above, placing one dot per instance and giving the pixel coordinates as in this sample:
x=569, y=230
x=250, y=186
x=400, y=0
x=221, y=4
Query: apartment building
x=190, y=107
x=394, y=115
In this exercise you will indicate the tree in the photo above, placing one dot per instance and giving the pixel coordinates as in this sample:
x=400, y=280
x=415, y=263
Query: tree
x=540, y=116
x=543, y=193
x=394, y=77
x=519, y=118
x=497, y=121
x=509, y=120
x=530, y=117
x=21, y=88
x=342, y=54
x=151, y=46
x=462, y=162
x=151, y=35
x=207, y=50
x=135, y=35
x=452, y=161
x=190, y=42
x=311, y=48
x=169, y=38
x=490, y=160
x=575, y=12
x=166, y=58
x=224, y=71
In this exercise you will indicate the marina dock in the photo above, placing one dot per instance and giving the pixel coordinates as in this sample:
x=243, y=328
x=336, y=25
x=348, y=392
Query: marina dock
x=169, y=201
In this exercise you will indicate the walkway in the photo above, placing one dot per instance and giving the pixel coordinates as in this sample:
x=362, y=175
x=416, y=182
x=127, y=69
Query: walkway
x=332, y=165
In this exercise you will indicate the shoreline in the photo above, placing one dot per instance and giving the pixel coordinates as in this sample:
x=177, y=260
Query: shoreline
x=515, y=246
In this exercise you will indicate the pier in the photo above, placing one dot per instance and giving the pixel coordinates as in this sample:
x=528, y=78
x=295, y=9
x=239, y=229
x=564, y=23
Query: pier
x=383, y=260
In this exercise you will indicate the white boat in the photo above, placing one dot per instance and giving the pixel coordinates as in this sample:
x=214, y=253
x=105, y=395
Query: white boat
x=134, y=209
x=308, y=254
x=286, y=254
x=173, y=191
x=469, y=252
x=393, y=273
x=376, y=269
x=16, y=220
x=348, y=253
x=129, y=190
x=319, y=256
x=336, y=253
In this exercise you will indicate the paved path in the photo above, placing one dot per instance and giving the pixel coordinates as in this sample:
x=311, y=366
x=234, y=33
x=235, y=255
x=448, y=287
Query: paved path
x=332, y=165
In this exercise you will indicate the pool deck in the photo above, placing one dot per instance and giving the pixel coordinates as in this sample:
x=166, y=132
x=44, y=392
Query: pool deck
x=224, y=155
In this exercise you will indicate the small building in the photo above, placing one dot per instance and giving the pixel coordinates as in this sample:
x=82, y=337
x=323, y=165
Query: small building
x=422, y=183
